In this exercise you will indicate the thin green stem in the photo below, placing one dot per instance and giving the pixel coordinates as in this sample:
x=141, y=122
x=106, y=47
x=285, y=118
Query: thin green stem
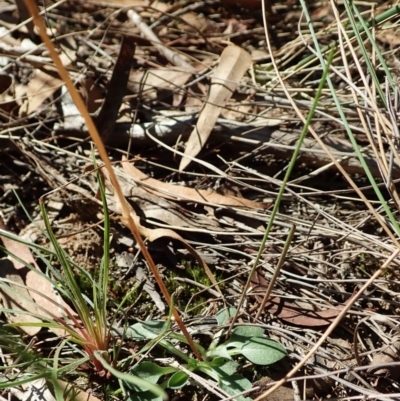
x=283, y=186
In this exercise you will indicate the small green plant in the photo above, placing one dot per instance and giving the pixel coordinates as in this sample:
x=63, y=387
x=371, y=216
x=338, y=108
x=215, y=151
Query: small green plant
x=217, y=363
x=88, y=326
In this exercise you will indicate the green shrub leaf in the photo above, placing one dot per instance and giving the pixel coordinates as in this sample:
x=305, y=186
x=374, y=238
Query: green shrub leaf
x=235, y=384
x=144, y=396
x=178, y=380
x=150, y=372
x=224, y=367
x=224, y=315
x=263, y=351
x=146, y=330
x=241, y=334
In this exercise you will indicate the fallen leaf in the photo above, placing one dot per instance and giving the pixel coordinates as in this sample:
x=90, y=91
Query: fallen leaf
x=42, y=85
x=149, y=83
x=389, y=37
x=233, y=64
x=194, y=102
x=154, y=234
x=184, y=194
x=44, y=294
x=91, y=92
x=7, y=99
x=24, y=15
x=37, y=390
x=158, y=209
x=388, y=355
x=116, y=90
x=14, y=295
x=119, y=3
x=289, y=311
x=194, y=22
x=74, y=393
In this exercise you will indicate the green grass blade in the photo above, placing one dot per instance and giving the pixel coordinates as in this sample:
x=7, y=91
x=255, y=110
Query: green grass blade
x=346, y=124
x=379, y=19
x=69, y=280
x=372, y=41
x=285, y=181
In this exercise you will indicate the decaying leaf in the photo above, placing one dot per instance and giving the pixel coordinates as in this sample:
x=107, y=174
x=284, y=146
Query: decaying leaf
x=390, y=354
x=14, y=295
x=120, y=3
x=158, y=210
x=149, y=83
x=37, y=390
x=90, y=91
x=44, y=294
x=41, y=86
x=24, y=15
x=184, y=194
x=290, y=312
x=154, y=234
x=7, y=100
x=233, y=64
x=194, y=22
x=116, y=89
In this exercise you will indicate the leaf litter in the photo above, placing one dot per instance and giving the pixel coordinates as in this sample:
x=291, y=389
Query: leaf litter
x=231, y=113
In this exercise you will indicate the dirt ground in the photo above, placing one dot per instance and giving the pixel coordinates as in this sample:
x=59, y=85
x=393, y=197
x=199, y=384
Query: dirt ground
x=146, y=104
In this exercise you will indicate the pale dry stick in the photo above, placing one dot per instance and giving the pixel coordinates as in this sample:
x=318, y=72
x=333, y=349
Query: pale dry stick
x=351, y=233
x=318, y=171
x=168, y=15
x=380, y=121
x=380, y=156
x=199, y=161
x=168, y=53
x=284, y=52
x=369, y=392
x=384, y=163
x=396, y=133
x=330, y=329
x=126, y=216
x=371, y=104
x=354, y=88
x=350, y=230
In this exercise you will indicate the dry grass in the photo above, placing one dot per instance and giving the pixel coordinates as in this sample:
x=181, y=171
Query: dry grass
x=341, y=195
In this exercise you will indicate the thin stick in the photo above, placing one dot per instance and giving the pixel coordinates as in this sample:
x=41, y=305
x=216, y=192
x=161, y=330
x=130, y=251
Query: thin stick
x=168, y=53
